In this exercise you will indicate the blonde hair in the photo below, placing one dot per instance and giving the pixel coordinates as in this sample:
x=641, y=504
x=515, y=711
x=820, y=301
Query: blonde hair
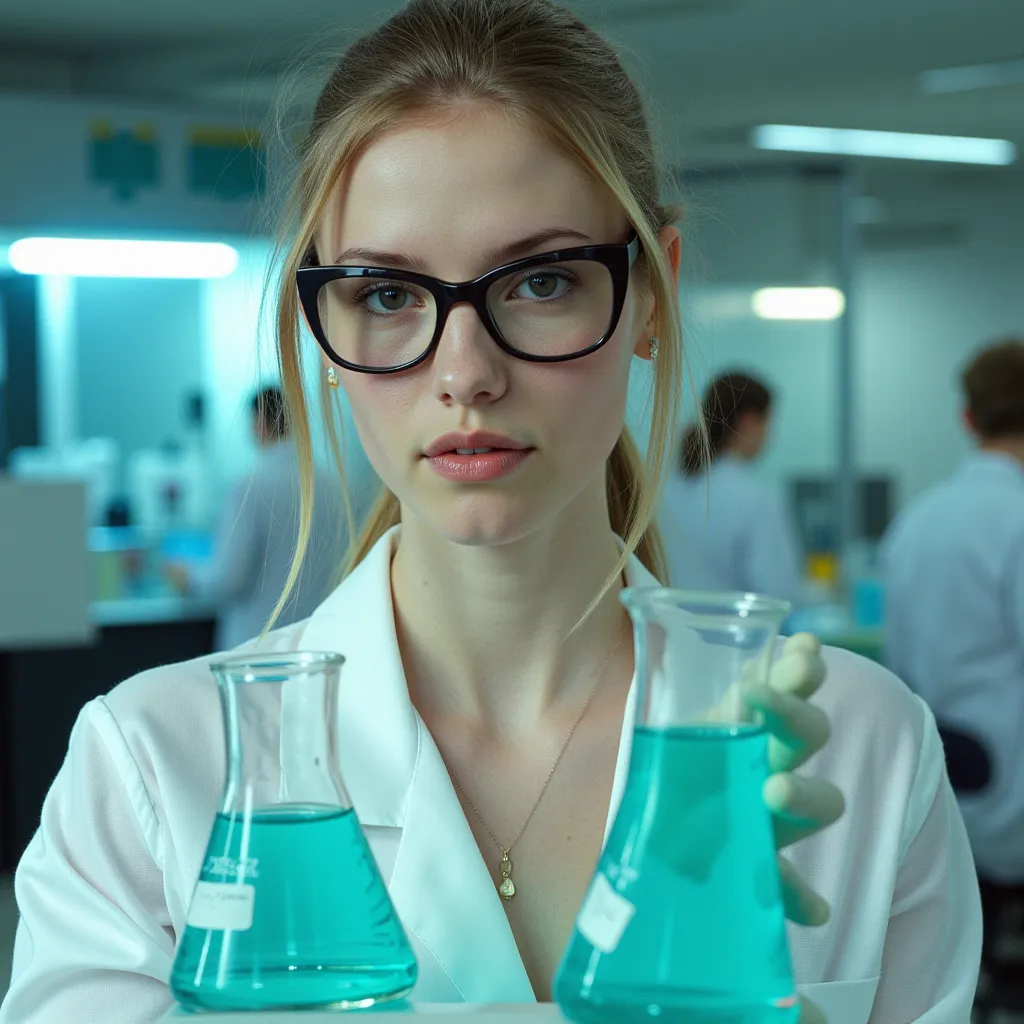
x=536, y=60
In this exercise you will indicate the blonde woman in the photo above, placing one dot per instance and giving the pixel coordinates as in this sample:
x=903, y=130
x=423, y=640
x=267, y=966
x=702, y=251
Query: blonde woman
x=468, y=141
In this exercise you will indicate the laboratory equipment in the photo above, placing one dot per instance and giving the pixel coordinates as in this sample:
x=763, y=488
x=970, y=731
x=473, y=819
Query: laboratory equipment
x=684, y=920
x=289, y=910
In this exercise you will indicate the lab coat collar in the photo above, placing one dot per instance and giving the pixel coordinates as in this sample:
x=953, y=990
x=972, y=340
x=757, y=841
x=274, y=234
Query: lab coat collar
x=440, y=885
x=995, y=464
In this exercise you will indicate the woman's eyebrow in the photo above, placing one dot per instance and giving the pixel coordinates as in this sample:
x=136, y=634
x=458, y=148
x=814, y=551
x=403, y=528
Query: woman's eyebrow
x=494, y=257
x=378, y=258
x=526, y=246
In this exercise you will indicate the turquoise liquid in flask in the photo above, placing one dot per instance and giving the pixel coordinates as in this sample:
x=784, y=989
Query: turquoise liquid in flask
x=683, y=920
x=289, y=910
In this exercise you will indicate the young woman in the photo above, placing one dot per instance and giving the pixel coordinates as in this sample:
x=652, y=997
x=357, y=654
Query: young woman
x=467, y=141
x=722, y=528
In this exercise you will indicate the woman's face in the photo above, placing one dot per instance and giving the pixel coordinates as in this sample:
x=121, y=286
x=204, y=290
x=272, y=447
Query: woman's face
x=454, y=199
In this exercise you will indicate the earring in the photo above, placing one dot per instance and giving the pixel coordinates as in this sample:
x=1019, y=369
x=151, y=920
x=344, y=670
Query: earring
x=332, y=378
x=654, y=349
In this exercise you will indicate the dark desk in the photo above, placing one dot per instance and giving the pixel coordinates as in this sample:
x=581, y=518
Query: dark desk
x=42, y=691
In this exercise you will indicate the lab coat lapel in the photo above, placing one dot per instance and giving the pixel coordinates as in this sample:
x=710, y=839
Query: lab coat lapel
x=378, y=727
x=395, y=775
x=444, y=892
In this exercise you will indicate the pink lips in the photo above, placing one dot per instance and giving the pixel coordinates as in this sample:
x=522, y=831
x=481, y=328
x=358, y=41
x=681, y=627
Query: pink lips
x=504, y=455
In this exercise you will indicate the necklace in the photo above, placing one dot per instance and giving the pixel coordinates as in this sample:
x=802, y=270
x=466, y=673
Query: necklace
x=507, y=887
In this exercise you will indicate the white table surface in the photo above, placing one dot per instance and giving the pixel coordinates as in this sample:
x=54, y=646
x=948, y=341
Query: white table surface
x=463, y=1013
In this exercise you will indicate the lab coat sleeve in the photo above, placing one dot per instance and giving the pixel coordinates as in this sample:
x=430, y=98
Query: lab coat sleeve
x=94, y=943
x=772, y=555
x=932, y=950
x=239, y=545
x=1016, y=602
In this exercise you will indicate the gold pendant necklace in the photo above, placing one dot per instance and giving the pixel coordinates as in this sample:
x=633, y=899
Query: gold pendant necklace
x=507, y=888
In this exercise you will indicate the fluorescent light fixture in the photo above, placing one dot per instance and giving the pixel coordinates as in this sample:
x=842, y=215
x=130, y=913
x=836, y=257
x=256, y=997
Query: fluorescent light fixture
x=798, y=303
x=973, y=76
x=956, y=149
x=114, y=257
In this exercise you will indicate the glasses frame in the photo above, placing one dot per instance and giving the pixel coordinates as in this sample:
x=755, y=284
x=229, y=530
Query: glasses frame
x=618, y=257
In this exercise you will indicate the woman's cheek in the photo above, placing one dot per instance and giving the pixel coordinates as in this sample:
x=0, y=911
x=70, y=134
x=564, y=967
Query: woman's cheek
x=380, y=422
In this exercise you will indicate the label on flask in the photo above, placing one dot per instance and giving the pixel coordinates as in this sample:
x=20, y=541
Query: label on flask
x=604, y=916
x=222, y=906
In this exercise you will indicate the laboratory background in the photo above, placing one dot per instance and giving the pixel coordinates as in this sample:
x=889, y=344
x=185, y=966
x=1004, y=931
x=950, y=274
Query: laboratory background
x=852, y=180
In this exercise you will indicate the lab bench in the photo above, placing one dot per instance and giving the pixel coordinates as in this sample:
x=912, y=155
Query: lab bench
x=43, y=688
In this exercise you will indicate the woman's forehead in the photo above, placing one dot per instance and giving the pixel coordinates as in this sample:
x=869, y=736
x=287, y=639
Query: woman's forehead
x=447, y=191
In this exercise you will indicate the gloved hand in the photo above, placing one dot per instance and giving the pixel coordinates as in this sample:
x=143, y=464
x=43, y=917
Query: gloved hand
x=800, y=805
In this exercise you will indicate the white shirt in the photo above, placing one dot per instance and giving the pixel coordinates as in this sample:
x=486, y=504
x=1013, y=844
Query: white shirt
x=954, y=578
x=255, y=544
x=725, y=530
x=105, y=884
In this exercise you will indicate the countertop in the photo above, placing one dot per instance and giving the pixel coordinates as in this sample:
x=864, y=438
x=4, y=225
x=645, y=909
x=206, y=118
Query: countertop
x=464, y=1013
x=137, y=611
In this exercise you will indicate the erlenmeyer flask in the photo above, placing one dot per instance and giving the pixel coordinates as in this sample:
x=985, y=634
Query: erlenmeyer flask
x=289, y=910
x=684, y=917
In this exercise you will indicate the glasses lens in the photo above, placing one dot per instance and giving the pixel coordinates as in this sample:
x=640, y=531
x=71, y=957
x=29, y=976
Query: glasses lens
x=376, y=322
x=558, y=309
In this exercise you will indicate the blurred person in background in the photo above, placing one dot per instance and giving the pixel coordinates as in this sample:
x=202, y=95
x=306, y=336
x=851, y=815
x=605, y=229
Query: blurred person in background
x=954, y=577
x=257, y=534
x=723, y=528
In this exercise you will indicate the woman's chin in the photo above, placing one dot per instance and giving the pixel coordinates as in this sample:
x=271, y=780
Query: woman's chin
x=486, y=521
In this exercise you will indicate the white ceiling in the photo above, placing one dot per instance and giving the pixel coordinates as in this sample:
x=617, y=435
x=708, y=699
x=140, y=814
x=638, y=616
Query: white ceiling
x=712, y=68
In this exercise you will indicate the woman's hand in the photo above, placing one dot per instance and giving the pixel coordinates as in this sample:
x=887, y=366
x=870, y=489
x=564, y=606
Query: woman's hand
x=800, y=806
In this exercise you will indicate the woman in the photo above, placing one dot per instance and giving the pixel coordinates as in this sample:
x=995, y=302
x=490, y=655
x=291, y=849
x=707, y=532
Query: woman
x=723, y=529
x=464, y=136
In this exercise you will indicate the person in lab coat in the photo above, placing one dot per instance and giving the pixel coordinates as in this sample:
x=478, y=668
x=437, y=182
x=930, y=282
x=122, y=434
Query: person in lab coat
x=487, y=699
x=255, y=541
x=723, y=528
x=954, y=588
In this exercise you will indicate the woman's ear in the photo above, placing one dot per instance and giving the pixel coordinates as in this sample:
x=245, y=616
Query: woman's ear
x=671, y=248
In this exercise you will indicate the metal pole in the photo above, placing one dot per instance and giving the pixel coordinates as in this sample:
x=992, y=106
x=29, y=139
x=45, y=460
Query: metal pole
x=847, y=504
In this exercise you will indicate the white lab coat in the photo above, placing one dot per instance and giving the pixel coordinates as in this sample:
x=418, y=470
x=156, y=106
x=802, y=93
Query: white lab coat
x=725, y=530
x=255, y=544
x=104, y=886
x=954, y=579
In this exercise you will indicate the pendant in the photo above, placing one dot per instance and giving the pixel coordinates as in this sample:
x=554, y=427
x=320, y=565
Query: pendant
x=507, y=889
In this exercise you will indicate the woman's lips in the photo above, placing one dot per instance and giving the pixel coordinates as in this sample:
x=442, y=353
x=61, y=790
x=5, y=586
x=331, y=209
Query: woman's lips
x=479, y=466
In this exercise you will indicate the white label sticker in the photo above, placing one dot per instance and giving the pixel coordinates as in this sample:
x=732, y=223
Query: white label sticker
x=604, y=916
x=222, y=906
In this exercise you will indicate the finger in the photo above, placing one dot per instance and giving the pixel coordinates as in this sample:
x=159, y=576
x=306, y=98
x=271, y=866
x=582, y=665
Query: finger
x=811, y=1013
x=802, y=642
x=800, y=902
x=797, y=729
x=799, y=672
x=800, y=806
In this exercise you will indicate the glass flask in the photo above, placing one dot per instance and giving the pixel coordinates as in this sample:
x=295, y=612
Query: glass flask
x=683, y=920
x=289, y=910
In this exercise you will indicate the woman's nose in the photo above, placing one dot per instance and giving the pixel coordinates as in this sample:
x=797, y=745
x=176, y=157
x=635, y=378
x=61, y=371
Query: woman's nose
x=468, y=367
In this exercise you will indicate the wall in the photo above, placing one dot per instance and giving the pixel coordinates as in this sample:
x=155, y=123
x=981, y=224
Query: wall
x=943, y=274
x=924, y=310
x=91, y=164
x=140, y=351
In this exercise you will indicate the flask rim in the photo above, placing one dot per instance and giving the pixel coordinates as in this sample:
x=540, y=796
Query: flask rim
x=274, y=666
x=708, y=605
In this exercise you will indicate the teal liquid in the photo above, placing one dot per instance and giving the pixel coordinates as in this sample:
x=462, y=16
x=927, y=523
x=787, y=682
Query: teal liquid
x=323, y=933
x=692, y=850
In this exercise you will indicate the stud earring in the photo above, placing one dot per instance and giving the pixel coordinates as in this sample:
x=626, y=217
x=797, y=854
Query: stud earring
x=654, y=349
x=332, y=378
